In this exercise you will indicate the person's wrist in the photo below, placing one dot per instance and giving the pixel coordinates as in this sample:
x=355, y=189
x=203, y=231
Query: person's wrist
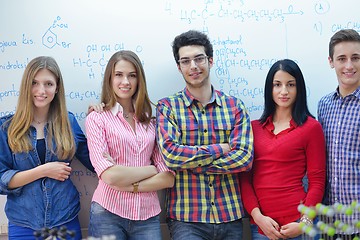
x=255, y=214
x=135, y=187
x=306, y=220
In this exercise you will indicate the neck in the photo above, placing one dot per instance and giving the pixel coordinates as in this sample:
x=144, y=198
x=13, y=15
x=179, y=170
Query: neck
x=127, y=106
x=203, y=94
x=128, y=109
x=345, y=91
x=282, y=116
x=40, y=116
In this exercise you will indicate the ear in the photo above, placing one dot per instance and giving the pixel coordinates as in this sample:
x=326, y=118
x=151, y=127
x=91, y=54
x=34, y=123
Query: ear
x=331, y=63
x=179, y=68
x=211, y=62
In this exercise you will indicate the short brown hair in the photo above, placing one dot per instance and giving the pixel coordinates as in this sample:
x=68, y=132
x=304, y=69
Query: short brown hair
x=344, y=35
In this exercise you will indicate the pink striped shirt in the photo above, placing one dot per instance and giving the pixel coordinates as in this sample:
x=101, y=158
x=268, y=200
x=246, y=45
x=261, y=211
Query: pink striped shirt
x=110, y=132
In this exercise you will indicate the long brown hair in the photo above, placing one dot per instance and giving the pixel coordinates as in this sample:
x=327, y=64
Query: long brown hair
x=59, y=129
x=143, y=111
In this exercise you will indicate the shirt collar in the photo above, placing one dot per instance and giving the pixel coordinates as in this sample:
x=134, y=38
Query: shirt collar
x=189, y=99
x=356, y=93
x=269, y=125
x=116, y=109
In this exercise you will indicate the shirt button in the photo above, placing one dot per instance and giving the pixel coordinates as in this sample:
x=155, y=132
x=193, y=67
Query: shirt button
x=203, y=112
x=210, y=185
x=212, y=203
x=205, y=131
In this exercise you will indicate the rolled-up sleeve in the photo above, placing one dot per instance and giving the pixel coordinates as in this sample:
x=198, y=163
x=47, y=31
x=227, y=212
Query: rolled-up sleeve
x=97, y=143
x=82, y=151
x=6, y=165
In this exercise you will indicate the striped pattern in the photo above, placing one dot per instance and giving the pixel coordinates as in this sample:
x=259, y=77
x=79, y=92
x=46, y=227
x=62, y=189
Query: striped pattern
x=110, y=132
x=340, y=118
x=206, y=183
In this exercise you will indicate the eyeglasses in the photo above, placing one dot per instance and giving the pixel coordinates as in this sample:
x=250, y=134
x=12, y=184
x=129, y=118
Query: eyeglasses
x=200, y=60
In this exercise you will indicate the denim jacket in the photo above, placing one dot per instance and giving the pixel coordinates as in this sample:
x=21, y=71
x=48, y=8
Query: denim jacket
x=45, y=202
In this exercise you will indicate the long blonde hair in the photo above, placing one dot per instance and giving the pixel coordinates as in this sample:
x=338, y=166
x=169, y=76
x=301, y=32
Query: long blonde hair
x=59, y=129
x=143, y=111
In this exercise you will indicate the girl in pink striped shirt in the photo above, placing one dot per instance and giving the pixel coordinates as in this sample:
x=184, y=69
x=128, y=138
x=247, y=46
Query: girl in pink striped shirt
x=125, y=155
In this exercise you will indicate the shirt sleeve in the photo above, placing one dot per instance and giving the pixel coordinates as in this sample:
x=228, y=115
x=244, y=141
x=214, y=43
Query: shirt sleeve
x=316, y=165
x=82, y=151
x=178, y=156
x=97, y=144
x=248, y=195
x=159, y=162
x=240, y=157
x=6, y=165
x=156, y=157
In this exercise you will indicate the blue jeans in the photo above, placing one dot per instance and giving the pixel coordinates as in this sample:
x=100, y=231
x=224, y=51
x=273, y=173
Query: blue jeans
x=205, y=231
x=24, y=233
x=105, y=223
x=258, y=236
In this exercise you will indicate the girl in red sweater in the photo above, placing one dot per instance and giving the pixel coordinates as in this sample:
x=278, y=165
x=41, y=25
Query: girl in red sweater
x=288, y=144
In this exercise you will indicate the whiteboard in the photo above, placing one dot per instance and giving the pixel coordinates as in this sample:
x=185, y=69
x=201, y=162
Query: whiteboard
x=248, y=36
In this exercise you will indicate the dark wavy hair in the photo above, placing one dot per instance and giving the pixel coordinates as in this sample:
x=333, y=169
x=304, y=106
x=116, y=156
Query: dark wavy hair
x=189, y=38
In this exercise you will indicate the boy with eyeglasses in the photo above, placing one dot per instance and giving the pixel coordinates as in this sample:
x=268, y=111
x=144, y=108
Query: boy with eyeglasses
x=205, y=136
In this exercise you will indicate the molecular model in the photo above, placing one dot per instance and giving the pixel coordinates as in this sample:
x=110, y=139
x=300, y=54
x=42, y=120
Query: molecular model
x=62, y=234
x=326, y=222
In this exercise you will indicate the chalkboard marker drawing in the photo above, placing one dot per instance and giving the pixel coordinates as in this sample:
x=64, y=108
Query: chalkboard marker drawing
x=50, y=39
x=322, y=7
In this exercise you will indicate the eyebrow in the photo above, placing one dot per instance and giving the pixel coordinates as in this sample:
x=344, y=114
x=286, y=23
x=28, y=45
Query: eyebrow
x=352, y=55
x=199, y=55
x=118, y=71
x=291, y=80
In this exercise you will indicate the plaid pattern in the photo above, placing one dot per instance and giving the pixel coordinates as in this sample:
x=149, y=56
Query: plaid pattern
x=206, y=186
x=340, y=119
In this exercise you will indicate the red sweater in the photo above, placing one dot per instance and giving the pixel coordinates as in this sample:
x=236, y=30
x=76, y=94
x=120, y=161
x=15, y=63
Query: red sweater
x=274, y=184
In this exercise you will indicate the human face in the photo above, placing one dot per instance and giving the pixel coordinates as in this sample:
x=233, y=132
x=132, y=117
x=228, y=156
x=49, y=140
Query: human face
x=124, y=81
x=195, y=75
x=44, y=88
x=346, y=61
x=284, y=90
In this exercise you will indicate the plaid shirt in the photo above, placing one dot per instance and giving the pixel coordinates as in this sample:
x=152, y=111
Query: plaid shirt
x=206, y=184
x=340, y=119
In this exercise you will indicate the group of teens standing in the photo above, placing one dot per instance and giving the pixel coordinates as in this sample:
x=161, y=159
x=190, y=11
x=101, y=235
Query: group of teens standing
x=201, y=147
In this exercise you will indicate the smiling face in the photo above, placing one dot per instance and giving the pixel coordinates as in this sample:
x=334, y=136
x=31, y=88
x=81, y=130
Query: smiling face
x=196, y=73
x=43, y=89
x=124, y=81
x=346, y=62
x=284, y=90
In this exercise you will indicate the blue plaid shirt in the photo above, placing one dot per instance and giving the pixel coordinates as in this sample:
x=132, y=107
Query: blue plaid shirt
x=340, y=119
